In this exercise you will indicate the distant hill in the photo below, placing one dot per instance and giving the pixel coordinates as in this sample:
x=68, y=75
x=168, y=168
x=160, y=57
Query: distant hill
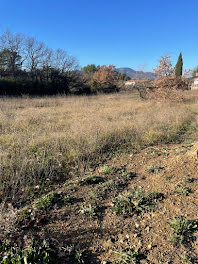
x=136, y=74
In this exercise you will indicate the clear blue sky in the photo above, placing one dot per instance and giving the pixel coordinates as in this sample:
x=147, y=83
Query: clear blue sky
x=126, y=33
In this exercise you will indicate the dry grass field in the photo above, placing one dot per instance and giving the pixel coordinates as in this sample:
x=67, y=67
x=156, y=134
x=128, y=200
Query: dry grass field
x=92, y=152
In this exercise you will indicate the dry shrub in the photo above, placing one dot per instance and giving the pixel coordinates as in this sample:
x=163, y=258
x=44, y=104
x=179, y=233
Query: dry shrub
x=167, y=86
x=166, y=92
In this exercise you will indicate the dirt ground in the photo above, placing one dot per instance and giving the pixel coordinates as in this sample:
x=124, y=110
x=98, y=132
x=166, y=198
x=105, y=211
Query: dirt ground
x=107, y=233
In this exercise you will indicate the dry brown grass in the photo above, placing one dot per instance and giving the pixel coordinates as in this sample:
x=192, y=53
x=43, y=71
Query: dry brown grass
x=41, y=136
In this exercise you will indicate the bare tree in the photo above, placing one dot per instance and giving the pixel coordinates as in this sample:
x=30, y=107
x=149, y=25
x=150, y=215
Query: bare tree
x=36, y=53
x=12, y=46
x=64, y=62
x=47, y=63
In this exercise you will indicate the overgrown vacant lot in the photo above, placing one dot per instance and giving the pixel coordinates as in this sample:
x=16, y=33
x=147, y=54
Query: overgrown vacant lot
x=104, y=178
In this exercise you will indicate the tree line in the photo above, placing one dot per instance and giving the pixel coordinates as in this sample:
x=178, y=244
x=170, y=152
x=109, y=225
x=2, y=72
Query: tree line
x=28, y=66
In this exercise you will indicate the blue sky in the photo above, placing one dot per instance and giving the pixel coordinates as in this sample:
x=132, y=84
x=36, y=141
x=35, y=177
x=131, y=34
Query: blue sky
x=126, y=33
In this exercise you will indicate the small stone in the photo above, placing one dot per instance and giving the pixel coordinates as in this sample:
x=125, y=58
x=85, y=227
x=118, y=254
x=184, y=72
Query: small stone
x=120, y=236
x=137, y=225
x=147, y=229
x=108, y=244
x=143, y=261
x=139, y=245
x=149, y=247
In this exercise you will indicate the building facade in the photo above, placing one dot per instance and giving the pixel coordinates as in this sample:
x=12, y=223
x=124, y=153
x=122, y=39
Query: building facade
x=194, y=85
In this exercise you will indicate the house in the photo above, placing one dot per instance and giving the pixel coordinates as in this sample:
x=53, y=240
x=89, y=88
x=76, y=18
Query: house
x=130, y=83
x=194, y=85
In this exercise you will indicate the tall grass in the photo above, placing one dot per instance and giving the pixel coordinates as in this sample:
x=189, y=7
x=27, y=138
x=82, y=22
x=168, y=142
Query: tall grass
x=42, y=137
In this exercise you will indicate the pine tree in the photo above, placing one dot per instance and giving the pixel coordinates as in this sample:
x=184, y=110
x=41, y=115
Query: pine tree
x=179, y=66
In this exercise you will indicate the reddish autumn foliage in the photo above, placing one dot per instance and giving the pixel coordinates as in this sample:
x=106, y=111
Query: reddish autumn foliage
x=164, y=68
x=105, y=79
x=106, y=74
x=167, y=86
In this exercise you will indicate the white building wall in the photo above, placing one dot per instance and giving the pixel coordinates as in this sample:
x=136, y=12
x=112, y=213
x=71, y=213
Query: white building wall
x=194, y=85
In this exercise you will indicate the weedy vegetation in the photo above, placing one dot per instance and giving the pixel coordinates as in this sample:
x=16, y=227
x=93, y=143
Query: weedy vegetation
x=74, y=169
x=153, y=169
x=39, y=146
x=138, y=201
x=89, y=210
x=128, y=256
x=49, y=200
x=183, y=190
x=37, y=252
x=182, y=230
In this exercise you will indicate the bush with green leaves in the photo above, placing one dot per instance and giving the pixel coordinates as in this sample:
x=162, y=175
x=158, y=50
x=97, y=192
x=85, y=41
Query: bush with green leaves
x=182, y=230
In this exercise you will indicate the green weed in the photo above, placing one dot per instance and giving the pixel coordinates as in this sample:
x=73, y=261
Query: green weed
x=89, y=210
x=92, y=180
x=38, y=252
x=138, y=201
x=127, y=175
x=106, y=170
x=187, y=259
x=128, y=256
x=183, y=190
x=182, y=230
x=49, y=200
x=153, y=169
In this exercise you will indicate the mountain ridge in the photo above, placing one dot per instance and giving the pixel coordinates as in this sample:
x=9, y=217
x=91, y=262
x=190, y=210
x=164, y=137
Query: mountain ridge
x=136, y=74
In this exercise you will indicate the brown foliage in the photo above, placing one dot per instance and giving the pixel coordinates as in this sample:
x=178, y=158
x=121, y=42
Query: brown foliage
x=164, y=68
x=106, y=74
x=167, y=86
x=105, y=79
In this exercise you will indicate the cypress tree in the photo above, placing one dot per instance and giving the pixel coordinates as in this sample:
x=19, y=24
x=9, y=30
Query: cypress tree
x=179, y=66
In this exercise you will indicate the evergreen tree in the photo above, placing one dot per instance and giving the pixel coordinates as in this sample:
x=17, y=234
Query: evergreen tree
x=10, y=60
x=179, y=66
